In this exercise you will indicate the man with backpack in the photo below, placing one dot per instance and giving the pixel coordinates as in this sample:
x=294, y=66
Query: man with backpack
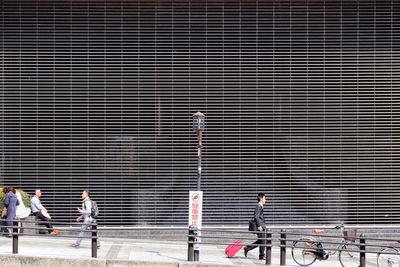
x=89, y=213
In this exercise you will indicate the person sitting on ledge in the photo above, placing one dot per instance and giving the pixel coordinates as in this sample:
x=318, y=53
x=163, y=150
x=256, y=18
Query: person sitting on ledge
x=41, y=213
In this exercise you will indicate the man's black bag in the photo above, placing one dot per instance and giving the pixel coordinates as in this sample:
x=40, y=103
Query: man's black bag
x=95, y=210
x=252, y=225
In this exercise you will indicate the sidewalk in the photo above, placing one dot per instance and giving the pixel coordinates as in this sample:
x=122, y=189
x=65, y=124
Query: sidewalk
x=147, y=250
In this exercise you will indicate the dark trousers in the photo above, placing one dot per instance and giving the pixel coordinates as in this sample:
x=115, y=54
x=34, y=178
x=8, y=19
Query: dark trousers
x=261, y=242
x=41, y=217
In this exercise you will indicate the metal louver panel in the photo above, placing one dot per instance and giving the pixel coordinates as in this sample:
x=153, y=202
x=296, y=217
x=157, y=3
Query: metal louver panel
x=301, y=101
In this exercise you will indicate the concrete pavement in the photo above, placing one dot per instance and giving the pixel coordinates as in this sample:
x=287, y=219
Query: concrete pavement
x=150, y=251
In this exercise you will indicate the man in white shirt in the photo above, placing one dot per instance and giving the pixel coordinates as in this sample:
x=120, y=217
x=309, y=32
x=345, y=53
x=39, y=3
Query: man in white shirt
x=39, y=211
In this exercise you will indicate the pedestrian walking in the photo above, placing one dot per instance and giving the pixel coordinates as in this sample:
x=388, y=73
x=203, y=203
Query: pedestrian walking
x=11, y=202
x=260, y=224
x=22, y=212
x=40, y=212
x=89, y=212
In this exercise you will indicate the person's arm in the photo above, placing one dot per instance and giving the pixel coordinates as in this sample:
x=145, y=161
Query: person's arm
x=258, y=217
x=79, y=218
x=81, y=210
x=6, y=201
x=87, y=208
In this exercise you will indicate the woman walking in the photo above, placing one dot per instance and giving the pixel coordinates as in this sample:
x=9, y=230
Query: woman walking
x=11, y=202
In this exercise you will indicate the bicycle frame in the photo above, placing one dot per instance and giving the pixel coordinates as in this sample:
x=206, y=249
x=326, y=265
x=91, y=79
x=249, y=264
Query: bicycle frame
x=339, y=247
x=343, y=241
x=316, y=247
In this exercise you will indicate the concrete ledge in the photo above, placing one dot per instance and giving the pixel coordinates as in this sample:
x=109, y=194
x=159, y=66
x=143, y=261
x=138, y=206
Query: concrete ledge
x=199, y=264
x=127, y=263
x=29, y=261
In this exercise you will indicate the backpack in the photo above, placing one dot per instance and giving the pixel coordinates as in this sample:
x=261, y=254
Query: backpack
x=94, y=212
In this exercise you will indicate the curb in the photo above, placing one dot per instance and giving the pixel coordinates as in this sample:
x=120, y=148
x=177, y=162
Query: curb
x=29, y=261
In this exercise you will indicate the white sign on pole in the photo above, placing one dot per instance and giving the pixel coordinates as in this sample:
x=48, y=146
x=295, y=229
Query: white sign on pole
x=195, y=213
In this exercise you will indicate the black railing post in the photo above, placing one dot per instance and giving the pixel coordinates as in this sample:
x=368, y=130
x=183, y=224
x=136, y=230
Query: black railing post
x=283, y=248
x=268, y=248
x=190, y=255
x=196, y=252
x=94, y=240
x=15, y=238
x=362, y=250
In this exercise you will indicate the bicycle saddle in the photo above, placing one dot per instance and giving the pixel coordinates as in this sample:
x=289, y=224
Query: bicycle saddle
x=318, y=231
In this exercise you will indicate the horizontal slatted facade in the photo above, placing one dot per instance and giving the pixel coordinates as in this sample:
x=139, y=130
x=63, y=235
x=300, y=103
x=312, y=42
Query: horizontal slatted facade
x=301, y=101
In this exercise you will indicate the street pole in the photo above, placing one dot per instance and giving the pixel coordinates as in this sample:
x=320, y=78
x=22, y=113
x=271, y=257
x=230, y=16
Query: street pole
x=199, y=150
x=198, y=127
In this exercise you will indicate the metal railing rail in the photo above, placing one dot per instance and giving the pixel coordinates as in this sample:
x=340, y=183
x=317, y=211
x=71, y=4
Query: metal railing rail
x=360, y=241
x=193, y=234
x=301, y=226
x=70, y=227
x=16, y=227
x=213, y=236
x=361, y=244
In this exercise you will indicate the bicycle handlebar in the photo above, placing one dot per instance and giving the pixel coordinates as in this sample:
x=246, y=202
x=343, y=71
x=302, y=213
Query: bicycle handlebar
x=339, y=226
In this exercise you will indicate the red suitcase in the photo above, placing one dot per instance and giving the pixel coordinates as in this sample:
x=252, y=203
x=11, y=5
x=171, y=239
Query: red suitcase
x=232, y=249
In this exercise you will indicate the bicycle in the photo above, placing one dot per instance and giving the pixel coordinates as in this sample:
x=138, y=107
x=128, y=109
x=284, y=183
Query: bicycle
x=388, y=257
x=306, y=250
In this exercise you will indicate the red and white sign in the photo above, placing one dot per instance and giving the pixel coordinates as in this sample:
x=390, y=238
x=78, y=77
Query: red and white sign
x=195, y=208
x=195, y=214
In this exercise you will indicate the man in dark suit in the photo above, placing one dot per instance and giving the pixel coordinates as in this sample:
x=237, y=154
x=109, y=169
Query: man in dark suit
x=260, y=221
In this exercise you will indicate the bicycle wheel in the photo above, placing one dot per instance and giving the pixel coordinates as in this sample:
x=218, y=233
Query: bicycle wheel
x=388, y=260
x=302, y=252
x=349, y=255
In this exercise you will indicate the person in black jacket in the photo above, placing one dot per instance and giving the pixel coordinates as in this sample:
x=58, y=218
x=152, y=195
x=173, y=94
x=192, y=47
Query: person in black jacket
x=260, y=221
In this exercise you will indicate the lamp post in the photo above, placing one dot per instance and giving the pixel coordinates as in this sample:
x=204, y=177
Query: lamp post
x=198, y=127
x=196, y=197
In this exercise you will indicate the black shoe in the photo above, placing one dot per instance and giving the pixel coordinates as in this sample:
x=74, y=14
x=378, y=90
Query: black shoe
x=261, y=258
x=245, y=252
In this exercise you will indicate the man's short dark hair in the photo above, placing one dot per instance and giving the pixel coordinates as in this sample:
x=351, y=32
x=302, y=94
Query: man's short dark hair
x=260, y=196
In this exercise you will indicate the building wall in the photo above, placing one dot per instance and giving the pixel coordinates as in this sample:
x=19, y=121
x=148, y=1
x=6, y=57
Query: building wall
x=301, y=101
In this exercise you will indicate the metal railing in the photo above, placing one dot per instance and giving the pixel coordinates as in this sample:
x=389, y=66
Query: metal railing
x=18, y=225
x=215, y=236
x=194, y=234
x=284, y=239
